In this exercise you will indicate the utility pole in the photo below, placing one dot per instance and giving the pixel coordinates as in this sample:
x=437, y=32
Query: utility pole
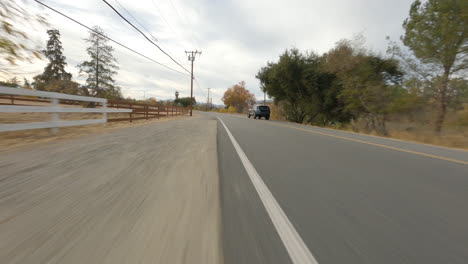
x=264, y=98
x=208, y=100
x=191, y=57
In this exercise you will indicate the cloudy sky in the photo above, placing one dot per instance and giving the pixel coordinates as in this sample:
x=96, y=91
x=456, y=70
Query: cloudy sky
x=237, y=37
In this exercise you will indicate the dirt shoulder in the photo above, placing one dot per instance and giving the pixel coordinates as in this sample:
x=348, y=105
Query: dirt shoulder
x=28, y=138
x=144, y=194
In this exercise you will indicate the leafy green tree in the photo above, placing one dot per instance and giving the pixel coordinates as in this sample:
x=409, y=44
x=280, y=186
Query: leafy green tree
x=26, y=84
x=67, y=87
x=101, y=68
x=284, y=82
x=370, y=83
x=13, y=82
x=457, y=93
x=305, y=92
x=55, y=69
x=184, y=101
x=437, y=33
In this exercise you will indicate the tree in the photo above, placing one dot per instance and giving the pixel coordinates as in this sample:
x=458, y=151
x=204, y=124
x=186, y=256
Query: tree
x=152, y=100
x=13, y=46
x=238, y=97
x=370, y=83
x=184, y=101
x=305, y=92
x=67, y=87
x=283, y=82
x=437, y=33
x=27, y=84
x=55, y=69
x=101, y=68
x=13, y=82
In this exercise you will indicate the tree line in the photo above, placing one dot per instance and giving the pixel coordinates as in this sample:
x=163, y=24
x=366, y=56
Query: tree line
x=350, y=83
x=99, y=69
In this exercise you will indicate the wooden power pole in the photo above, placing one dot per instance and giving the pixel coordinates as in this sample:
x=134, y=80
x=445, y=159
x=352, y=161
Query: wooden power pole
x=191, y=57
x=208, y=100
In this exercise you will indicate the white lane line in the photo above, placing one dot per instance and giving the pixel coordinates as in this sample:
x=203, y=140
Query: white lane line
x=294, y=244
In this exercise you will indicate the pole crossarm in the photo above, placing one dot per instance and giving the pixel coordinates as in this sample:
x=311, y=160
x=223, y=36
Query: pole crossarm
x=191, y=58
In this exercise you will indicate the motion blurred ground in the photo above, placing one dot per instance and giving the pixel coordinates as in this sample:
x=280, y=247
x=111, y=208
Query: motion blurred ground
x=142, y=194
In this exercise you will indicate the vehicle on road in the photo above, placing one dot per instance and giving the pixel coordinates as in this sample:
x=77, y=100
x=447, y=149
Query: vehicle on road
x=259, y=111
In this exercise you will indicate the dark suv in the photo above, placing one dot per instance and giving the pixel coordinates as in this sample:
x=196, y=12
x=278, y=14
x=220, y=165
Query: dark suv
x=259, y=111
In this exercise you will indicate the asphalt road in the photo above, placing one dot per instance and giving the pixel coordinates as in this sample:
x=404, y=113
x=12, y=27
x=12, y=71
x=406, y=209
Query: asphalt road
x=147, y=194
x=220, y=188
x=351, y=198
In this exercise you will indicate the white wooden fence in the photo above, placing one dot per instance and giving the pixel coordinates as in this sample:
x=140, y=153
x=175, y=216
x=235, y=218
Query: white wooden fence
x=54, y=109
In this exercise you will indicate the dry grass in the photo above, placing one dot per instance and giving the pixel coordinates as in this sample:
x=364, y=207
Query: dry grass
x=420, y=129
x=448, y=138
x=452, y=136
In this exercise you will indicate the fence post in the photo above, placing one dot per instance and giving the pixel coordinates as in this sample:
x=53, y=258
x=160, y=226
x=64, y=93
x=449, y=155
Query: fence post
x=104, y=114
x=167, y=111
x=131, y=113
x=158, y=111
x=147, y=113
x=12, y=99
x=54, y=115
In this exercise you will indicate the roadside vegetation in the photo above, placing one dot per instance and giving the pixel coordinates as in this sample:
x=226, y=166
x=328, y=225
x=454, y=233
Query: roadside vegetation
x=237, y=98
x=418, y=91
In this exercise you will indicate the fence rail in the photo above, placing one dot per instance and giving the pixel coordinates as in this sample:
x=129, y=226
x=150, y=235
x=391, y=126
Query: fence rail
x=145, y=111
x=54, y=109
x=14, y=99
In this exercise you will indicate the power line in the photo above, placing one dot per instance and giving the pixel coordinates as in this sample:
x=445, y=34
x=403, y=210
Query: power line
x=137, y=29
x=198, y=85
x=136, y=20
x=157, y=8
x=186, y=23
x=163, y=17
x=104, y=36
x=147, y=31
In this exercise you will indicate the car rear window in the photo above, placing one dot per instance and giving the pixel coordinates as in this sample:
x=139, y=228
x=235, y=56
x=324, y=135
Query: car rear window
x=264, y=108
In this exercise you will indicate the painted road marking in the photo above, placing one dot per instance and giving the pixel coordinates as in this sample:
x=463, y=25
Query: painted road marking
x=297, y=250
x=376, y=144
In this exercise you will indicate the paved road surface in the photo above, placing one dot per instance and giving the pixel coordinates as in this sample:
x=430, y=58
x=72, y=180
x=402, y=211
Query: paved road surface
x=147, y=194
x=377, y=201
x=188, y=191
